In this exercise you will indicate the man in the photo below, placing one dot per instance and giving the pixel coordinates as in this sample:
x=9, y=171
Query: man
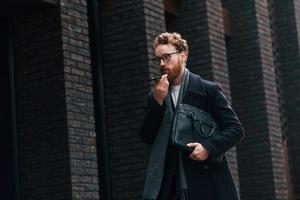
x=205, y=180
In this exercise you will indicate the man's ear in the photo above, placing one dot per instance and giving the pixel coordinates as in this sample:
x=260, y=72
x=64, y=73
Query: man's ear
x=183, y=56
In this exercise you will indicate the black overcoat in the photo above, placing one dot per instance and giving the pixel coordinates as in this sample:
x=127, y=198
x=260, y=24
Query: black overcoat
x=202, y=176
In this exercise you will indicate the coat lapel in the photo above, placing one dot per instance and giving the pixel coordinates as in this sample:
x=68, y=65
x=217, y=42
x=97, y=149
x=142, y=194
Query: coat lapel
x=196, y=94
x=195, y=85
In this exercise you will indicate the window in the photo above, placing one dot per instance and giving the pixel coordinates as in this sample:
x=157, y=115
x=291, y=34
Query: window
x=171, y=12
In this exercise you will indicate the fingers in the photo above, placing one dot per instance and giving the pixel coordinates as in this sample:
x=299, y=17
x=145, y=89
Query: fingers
x=195, y=154
x=199, y=153
x=194, y=144
x=197, y=157
x=164, y=77
x=161, y=88
x=194, y=157
x=163, y=81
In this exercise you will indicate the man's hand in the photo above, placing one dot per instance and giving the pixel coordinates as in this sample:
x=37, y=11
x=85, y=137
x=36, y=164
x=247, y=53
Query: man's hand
x=160, y=90
x=200, y=153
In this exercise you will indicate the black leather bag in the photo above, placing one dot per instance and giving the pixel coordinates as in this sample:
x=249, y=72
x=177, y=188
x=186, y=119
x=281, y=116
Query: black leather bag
x=192, y=124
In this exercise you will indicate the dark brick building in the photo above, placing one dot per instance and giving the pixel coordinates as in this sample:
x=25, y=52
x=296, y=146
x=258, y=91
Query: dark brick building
x=74, y=83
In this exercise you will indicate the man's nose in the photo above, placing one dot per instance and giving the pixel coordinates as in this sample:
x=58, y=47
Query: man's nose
x=162, y=62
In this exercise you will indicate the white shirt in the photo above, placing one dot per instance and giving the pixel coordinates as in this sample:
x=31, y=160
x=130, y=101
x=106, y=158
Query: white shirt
x=175, y=92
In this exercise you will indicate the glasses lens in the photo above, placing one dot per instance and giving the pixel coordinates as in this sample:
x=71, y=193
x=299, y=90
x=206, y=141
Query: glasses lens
x=166, y=57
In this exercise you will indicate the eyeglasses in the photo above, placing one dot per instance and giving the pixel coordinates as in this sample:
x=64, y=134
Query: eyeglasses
x=165, y=57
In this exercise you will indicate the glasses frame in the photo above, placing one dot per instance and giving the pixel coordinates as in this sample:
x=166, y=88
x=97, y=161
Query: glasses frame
x=165, y=57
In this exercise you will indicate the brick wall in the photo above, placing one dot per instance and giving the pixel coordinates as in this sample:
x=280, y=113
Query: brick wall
x=55, y=104
x=287, y=15
x=41, y=106
x=79, y=99
x=55, y=97
x=254, y=92
x=128, y=31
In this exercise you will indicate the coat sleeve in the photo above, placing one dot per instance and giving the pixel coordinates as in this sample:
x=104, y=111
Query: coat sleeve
x=152, y=120
x=231, y=130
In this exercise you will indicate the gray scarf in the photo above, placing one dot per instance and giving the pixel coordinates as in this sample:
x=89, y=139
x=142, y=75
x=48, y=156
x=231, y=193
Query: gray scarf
x=156, y=165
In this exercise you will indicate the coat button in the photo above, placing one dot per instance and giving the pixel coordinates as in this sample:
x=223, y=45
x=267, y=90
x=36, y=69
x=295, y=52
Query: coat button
x=205, y=166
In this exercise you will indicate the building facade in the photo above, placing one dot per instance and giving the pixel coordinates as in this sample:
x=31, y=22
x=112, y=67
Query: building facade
x=74, y=81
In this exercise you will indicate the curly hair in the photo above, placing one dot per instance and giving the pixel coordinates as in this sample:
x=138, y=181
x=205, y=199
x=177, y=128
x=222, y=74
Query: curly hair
x=174, y=39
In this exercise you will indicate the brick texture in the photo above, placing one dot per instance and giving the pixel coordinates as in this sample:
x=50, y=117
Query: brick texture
x=42, y=128
x=254, y=91
x=55, y=104
x=129, y=28
x=79, y=99
x=288, y=25
x=257, y=67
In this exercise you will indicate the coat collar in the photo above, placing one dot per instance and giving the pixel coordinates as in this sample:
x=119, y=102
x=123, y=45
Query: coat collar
x=196, y=85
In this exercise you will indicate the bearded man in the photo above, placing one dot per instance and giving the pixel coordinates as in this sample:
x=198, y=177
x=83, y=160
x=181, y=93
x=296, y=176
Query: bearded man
x=204, y=179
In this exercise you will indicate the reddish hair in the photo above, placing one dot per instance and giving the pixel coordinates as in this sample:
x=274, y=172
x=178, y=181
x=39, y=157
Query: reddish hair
x=174, y=39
